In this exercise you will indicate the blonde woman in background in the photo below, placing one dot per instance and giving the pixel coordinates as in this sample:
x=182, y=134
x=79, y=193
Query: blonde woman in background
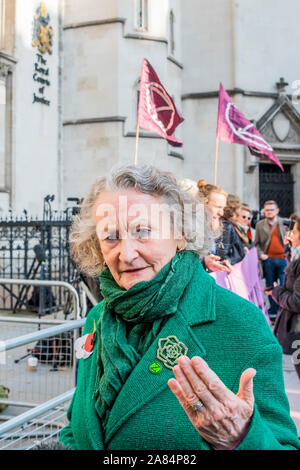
x=237, y=213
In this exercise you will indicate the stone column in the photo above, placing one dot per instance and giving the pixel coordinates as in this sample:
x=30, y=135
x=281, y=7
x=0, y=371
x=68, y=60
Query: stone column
x=7, y=62
x=7, y=26
x=5, y=133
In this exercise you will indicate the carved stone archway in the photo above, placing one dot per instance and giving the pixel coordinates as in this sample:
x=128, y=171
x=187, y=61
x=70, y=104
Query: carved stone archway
x=280, y=126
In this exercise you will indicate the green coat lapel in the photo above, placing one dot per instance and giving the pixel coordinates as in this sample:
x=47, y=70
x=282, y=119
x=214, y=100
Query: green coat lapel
x=142, y=385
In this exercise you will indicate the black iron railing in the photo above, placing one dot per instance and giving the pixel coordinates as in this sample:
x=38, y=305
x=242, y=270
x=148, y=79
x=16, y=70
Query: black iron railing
x=35, y=249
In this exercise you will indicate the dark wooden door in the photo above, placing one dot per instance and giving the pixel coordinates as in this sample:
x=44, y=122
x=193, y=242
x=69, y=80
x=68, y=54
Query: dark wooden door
x=277, y=186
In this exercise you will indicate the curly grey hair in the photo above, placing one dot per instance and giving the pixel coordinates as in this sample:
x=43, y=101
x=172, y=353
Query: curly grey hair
x=184, y=208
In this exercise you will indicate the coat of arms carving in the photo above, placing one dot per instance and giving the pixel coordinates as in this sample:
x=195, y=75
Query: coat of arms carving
x=42, y=32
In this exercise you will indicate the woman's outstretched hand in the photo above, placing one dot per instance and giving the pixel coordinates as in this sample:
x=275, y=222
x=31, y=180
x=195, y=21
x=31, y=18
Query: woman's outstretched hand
x=213, y=263
x=224, y=418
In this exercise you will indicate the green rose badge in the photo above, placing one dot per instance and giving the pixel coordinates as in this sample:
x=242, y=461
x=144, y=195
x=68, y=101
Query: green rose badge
x=169, y=350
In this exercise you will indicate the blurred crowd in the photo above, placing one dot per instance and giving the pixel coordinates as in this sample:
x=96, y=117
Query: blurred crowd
x=235, y=228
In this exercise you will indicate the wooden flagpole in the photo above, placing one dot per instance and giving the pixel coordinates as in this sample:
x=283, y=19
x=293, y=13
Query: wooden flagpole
x=136, y=142
x=216, y=161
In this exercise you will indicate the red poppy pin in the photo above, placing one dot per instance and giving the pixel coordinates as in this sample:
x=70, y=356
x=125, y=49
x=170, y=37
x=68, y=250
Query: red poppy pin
x=85, y=344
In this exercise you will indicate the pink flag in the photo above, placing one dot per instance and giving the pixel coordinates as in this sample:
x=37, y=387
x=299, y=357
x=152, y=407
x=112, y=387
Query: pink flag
x=233, y=127
x=157, y=111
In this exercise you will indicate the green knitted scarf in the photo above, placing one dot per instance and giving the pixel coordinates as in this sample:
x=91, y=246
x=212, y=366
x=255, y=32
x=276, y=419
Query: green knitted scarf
x=130, y=321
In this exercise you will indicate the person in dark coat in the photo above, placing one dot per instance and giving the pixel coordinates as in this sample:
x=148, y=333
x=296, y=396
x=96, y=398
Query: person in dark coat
x=269, y=236
x=288, y=299
x=229, y=245
x=243, y=228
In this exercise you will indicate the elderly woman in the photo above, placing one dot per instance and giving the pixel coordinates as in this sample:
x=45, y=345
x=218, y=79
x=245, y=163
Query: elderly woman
x=173, y=360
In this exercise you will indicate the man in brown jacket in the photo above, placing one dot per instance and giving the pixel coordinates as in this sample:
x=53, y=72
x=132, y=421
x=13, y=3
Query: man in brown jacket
x=269, y=236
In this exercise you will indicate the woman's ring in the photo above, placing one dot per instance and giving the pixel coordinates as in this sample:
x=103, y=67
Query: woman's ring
x=198, y=405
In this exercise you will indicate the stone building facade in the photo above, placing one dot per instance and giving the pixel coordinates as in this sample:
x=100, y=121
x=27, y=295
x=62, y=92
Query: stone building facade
x=69, y=82
x=30, y=124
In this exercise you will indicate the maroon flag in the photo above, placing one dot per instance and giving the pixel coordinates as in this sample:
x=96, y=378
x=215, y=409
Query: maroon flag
x=233, y=127
x=157, y=111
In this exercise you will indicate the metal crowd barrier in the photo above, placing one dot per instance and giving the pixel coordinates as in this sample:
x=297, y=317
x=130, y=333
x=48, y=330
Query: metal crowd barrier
x=56, y=369
x=31, y=337
x=36, y=282
x=37, y=426
x=47, y=416
x=50, y=340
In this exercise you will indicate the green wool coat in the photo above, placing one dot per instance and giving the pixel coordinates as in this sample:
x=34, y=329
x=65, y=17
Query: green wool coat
x=231, y=335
